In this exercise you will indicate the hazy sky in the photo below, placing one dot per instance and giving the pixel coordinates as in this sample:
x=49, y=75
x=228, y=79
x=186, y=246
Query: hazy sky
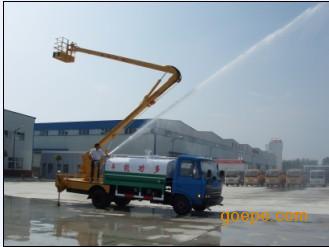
x=280, y=90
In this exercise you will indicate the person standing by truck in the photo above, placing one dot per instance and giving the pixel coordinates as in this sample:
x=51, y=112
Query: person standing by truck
x=96, y=154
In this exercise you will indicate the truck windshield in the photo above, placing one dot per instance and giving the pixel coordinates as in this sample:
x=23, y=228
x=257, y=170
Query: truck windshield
x=294, y=173
x=251, y=173
x=317, y=174
x=273, y=173
x=232, y=174
x=207, y=166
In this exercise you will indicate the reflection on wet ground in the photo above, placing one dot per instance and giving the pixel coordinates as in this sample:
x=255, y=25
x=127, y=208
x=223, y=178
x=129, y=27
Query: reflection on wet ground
x=41, y=222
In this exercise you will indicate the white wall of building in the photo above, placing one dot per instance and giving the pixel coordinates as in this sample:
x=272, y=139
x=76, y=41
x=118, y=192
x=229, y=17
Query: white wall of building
x=20, y=127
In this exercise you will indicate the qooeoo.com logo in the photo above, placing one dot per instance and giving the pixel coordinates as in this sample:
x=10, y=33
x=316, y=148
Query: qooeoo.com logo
x=252, y=217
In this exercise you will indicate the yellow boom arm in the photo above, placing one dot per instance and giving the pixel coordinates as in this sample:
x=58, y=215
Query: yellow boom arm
x=65, y=51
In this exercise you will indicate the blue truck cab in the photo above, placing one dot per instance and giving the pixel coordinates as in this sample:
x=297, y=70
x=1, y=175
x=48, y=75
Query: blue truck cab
x=196, y=183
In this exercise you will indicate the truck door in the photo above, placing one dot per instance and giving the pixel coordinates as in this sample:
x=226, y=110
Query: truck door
x=188, y=180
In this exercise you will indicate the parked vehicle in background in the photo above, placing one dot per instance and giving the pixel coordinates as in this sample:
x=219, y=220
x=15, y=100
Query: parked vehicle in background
x=317, y=178
x=275, y=177
x=254, y=177
x=234, y=178
x=309, y=168
x=234, y=170
x=295, y=177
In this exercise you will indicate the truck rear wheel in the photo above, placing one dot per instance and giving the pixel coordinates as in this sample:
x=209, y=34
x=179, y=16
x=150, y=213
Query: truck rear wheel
x=181, y=205
x=99, y=198
x=121, y=202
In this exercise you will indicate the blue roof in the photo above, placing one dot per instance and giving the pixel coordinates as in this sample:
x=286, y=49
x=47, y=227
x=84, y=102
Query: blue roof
x=109, y=124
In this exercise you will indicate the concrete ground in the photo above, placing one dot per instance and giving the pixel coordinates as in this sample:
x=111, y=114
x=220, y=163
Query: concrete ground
x=31, y=217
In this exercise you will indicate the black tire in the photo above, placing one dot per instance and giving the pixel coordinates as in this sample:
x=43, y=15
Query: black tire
x=121, y=202
x=199, y=208
x=181, y=205
x=99, y=198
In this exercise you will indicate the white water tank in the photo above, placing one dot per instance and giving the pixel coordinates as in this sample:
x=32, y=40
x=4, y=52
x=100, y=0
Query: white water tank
x=141, y=165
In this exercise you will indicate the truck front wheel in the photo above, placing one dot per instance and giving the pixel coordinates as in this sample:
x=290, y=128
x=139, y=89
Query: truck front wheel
x=99, y=198
x=181, y=205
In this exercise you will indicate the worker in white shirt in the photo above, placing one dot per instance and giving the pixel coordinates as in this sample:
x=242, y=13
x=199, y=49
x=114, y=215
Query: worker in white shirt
x=96, y=154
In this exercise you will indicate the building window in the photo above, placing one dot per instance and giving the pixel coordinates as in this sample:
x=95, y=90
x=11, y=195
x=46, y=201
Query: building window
x=104, y=131
x=95, y=131
x=16, y=163
x=84, y=132
x=62, y=132
x=11, y=163
x=21, y=136
x=44, y=132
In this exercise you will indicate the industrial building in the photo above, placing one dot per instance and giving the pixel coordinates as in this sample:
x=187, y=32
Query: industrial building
x=18, y=144
x=61, y=144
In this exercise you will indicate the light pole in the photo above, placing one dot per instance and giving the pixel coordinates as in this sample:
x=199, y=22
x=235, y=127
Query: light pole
x=14, y=146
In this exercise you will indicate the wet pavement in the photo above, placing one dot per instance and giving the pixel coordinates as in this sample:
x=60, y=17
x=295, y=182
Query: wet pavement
x=41, y=222
x=32, y=221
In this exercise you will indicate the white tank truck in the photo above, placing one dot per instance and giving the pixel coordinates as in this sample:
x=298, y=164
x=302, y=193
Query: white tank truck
x=184, y=182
